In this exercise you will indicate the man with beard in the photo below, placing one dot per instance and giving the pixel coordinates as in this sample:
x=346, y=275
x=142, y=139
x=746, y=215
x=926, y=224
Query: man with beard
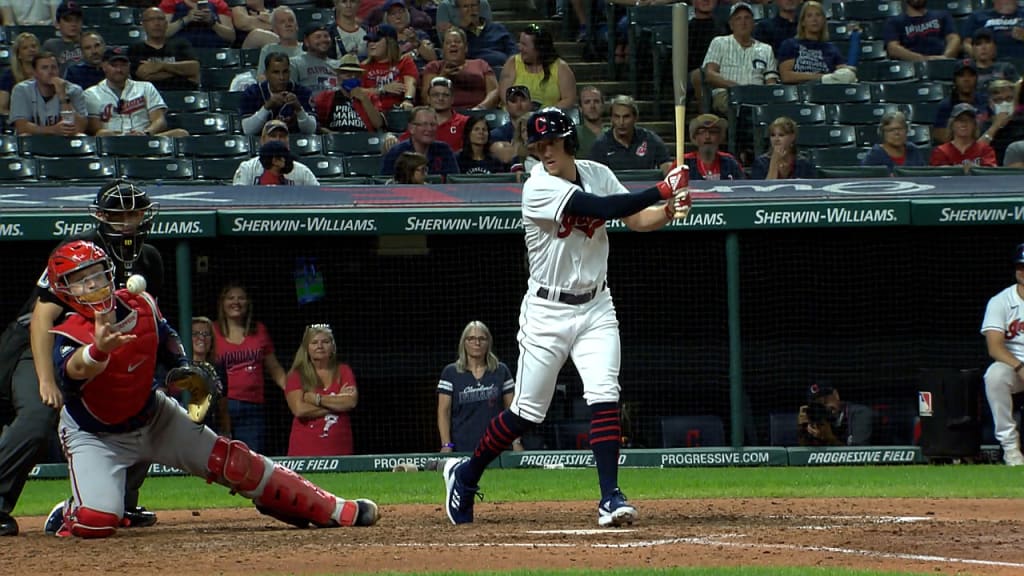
x=625, y=146
x=312, y=70
x=592, y=114
x=921, y=34
x=708, y=162
x=88, y=72
x=349, y=107
x=121, y=106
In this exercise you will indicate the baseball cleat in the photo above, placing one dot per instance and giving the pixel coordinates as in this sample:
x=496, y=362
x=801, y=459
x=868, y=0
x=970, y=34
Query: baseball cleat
x=8, y=525
x=55, y=521
x=1013, y=457
x=138, y=518
x=615, y=511
x=458, y=497
x=368, y=514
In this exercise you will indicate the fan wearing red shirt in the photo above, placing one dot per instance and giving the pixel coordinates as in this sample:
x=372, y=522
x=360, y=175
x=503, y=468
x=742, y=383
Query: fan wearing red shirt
x=321, y=391
x=451, y=125
x=390, y=75
x=708, y=162
x=964, y=149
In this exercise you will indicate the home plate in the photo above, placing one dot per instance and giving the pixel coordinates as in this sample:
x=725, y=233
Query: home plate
x=584, y=532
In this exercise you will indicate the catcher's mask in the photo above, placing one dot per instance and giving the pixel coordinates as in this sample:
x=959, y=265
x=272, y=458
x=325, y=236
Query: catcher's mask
x=82, y=276
x=124, y=215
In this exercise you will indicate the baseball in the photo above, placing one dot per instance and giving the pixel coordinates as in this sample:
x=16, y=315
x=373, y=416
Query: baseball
x=136, y=283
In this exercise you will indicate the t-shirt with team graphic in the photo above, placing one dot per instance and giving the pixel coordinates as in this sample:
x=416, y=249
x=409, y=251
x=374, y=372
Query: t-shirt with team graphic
x=243, y=363
x=565, y=251
x=925, y=34
x=811, y=56
x=1005, y=313
x=127, y=111
x=327, y=435
x=379, y=74
x=340, y=113
x=314, y=73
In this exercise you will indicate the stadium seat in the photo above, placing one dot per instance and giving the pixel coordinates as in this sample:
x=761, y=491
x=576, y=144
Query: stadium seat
x=853, y=172
x=218, y=78
x=572, y=435
x=214, y=146
x=155, y=169
x=86, y=169
x=838, y=31
x=886, y=71
x=995, y=171
x=17, y=169
x=57, y=146
x=826, y=136
x=838, y=93
x=251, y=56
x=692, y=431
x=782, y=429
x=867, y=135
x=870, y=50
x=799, y=112
x=218, y=169
x=352, y=143
x=846, y=156
x=938, y=70
x=8, y=145
x=956, y=8
x=186, y=100
x=224, y=101
x=652, y=175
x=305, y=144
x=924, y=112
x=506, y=177
x=199, y=123
x=115, y=35
x=44, y=33
x=915, y=171
x=861, y=10
x=326, y=166
x=100, y=16
x=306, y=15
x=362, y=165
x=866, y=113
x=643, y=20
x=218, y=57
x=136, y=146
x=909, y=93
x=397, y=120
x=494, y=118
x=752, y=95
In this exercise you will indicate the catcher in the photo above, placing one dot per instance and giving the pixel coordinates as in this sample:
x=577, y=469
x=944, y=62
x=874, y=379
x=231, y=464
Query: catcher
x=105, y=356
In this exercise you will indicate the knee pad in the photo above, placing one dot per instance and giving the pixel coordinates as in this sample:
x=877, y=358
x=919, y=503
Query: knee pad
x=233, y=464
x=89, y=523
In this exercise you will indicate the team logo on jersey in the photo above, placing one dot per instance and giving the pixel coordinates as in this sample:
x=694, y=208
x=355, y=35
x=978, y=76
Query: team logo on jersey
x=641, y=150
x=1014, y=329
x=586, y=224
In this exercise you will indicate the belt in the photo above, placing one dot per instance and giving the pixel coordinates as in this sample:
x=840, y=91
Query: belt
x=572, y=299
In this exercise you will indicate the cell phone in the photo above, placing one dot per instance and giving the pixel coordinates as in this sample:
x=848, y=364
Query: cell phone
x=203, y=6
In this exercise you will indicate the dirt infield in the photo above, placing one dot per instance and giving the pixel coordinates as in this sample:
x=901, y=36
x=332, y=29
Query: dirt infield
x=935, y=536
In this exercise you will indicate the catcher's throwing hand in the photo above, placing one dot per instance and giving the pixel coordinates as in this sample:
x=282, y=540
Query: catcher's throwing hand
x=203, y=384
x=106, y=338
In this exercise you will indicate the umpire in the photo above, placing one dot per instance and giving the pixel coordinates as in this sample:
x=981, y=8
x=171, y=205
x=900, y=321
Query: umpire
x=124, y=215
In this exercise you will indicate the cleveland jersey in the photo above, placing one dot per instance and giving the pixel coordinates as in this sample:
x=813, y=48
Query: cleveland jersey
x=565, y=251
x=1005, y=313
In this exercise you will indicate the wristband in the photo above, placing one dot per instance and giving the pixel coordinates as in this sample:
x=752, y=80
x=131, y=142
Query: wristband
x=94, y=357
x=319, y=399
x=448, y=445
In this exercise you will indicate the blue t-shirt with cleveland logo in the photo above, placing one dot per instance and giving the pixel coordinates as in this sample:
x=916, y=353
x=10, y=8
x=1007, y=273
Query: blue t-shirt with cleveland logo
x=921, y=34
x=646, y=151
x=811, y=56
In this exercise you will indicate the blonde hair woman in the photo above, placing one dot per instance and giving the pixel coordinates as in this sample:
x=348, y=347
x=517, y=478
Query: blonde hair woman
x=391, y=76
x=23, y=50
x=321, y=391
x=472, y=390
x=809, y=56
x=782, y=161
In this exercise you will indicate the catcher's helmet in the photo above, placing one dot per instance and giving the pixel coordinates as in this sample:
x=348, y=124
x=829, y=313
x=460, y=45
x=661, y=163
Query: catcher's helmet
x=1018, y=254
x=88, y=294
x=116, y=210
x=550, y=123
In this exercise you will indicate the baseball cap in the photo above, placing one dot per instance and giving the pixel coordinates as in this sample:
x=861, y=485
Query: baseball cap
x=349, y=63
x=740, y=6
x=963, y=108
x=69, y=8
x=315, y=27
x=985, y=33
x=965, y=64
x=272, y=125
x=275, y=149
x=115, y=53
x=519, y=91
x=815, y=391
x=391, y=4
x=382, y=31
x=705, y=121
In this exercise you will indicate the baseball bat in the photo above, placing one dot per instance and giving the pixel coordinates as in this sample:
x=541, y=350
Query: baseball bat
x=680, y=76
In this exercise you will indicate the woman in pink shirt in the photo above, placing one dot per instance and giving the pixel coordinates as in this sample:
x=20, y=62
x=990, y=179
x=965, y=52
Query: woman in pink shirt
x=321, y=392
x=245, y=350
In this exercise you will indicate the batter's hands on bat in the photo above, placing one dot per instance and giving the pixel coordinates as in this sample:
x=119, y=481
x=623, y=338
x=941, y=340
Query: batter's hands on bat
x=676, y=189
x=106, y=338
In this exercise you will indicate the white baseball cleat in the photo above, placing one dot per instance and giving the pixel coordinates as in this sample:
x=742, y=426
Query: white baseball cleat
x=1013, y=457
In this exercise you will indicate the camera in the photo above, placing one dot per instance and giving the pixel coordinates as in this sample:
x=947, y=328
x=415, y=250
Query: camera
x=818, y=413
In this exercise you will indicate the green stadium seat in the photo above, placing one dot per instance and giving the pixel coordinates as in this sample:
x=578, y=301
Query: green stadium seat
x=215, y=146
x=217, y=169
x=909, y=93
x=362, y=165
x=799, y=112
x=326, y=166
x=57, y=146
x=397, y=120
x=352, y=143
x=146, y=146
x=845, y=156
x=938, y=70
x=692, y=431
x=44, y=33
x=201, y=123
x=155, y=169
x=853, y=171
x=103, y=16
x=17, y=169
x=956, y=8
x=867, y=135
x=219, y=57
x=916, y=171
x=864, y=10
x=838, y=93
x=995, y=171
x=924, y=112
x=886, y=71
x=305, y=144
x=251, y=56
x=8, y=145
x=82, y=169
x=186, y=100
x=506, y=177
x=115, y=35
x=306, y=15
x=224, y=101
x=826, y=136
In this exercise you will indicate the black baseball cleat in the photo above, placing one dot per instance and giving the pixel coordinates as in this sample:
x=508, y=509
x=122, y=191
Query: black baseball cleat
x=138, y=518
x=8, y=525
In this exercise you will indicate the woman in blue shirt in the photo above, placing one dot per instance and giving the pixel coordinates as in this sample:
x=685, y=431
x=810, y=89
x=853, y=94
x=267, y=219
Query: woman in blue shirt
x=894, y=150
x=809, y=56
x=783, y=161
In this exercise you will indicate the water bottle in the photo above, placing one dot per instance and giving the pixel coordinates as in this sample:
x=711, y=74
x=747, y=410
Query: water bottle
x=854, y=54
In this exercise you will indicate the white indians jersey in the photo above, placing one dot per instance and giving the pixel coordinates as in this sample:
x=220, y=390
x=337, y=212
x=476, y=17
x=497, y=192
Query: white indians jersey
x=1005, y=313
x=126, y=111
x=564, y=251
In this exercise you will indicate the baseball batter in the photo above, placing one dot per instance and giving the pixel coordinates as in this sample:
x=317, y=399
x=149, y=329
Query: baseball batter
x=105, y=355
x=567, y=310
x=1003, y=328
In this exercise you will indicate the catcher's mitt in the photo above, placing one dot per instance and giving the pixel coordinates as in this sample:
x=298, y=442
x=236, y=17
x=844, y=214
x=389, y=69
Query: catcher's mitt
x=203, y=384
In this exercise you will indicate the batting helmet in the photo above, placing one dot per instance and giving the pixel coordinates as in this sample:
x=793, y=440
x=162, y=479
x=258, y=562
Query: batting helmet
x=550, y=123
x=88, y=294
x=1018, y=254
x=117, y=209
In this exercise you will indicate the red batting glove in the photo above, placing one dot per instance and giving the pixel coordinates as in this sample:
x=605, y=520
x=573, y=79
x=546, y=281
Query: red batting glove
x=677, y=179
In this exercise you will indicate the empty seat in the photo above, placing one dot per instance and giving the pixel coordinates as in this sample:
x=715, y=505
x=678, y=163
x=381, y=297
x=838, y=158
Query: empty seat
x=362, y=165
x=8, y=145
x=924, y=112
x=865, y=113
x=909, y=93
x=325, y=166
x=352, y=143
x=799, y=112
x=116, y=35
x=218, y=169
x=782, y=429
x=860, y=10
x=186, y=100
x=305, y=144
x=77, y=168
x=572, y=435
x=938, y=70
x=853, y=171
x=869, y=49
x=954, y=7
x=995, y=171
x=197, y=123
x=494, y=118
x=845, y=156
x=825, y=136
x=306, y=15
x=769, y=94
x=251, y=56
x=101, y=16
x=215, y=146
x=136, y=146
x=915, y=171
x=224, y=101
x=17, y=169
x=397, y=120
x=156, y=169
x=218, y=78
x=218, y=57
x=886, y=71
x=692, y=431
x=838, y=93
x=57, y=146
